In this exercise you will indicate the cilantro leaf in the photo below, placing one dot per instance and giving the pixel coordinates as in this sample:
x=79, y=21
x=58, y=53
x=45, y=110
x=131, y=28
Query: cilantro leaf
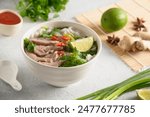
x=28, y=45
x=72, y=59
x=40, y=9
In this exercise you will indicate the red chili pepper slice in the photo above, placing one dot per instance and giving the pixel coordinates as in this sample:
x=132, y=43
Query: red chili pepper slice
x=54, y=38
x=60, y=44
x=65, y=38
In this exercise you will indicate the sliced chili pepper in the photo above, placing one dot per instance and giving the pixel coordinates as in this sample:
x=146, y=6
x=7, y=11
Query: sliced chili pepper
x=60, y=44
x=54, y=38
x=65, y=38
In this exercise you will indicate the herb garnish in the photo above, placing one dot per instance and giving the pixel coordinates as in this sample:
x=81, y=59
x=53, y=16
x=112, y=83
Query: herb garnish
x=29, y=45
x=40, y=9
x=72, y=59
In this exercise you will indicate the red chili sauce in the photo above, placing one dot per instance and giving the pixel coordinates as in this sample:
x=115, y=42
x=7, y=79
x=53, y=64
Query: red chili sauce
x=9, y=18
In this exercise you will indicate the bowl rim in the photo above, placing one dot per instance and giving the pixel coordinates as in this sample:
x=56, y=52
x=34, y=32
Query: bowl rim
x=98, y=40
x=14, y=12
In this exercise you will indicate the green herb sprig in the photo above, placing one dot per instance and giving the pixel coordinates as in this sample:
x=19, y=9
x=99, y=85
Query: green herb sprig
x=40, y=9
x=72, y=59
x=28, y=45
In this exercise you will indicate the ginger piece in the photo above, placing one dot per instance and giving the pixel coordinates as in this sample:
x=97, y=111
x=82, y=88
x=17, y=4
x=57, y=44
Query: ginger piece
x=143, y=35
x=143, y=45
x=134, y=44
x=138, y=46
x=127, y=43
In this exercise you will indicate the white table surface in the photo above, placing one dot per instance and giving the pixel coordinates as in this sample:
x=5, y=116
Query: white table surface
x=108, y=70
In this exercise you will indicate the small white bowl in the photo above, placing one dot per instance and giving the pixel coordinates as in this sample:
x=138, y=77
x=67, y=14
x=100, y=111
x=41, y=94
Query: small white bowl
x=61, y=76
x=8, y=30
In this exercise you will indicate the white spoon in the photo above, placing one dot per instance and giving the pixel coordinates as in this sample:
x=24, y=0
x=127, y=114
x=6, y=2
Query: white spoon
x=8, y=73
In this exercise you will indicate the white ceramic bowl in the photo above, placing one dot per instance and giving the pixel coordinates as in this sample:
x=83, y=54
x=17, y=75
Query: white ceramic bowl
x=61, y=76
x=12, y=29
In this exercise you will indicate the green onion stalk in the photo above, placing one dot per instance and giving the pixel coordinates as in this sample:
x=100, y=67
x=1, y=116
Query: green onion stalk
x=138, y=81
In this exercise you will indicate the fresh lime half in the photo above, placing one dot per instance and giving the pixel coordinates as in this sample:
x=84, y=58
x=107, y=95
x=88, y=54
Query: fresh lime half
x=84, y=44
x=144, y=94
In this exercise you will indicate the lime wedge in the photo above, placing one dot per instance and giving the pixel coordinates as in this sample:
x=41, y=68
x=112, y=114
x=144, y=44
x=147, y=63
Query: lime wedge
x=144, y=94
x=84, y=44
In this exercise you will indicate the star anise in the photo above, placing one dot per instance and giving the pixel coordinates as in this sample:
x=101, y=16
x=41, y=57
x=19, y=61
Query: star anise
x=113, y=40
x=139, y=25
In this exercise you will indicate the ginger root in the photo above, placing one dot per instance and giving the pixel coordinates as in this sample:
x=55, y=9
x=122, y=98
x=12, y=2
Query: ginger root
x=143, y=45
x=127, y=43
x=143, y=35
x=134, y=44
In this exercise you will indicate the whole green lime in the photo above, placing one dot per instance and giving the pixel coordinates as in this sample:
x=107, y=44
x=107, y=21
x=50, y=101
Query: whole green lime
x=114, y=19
